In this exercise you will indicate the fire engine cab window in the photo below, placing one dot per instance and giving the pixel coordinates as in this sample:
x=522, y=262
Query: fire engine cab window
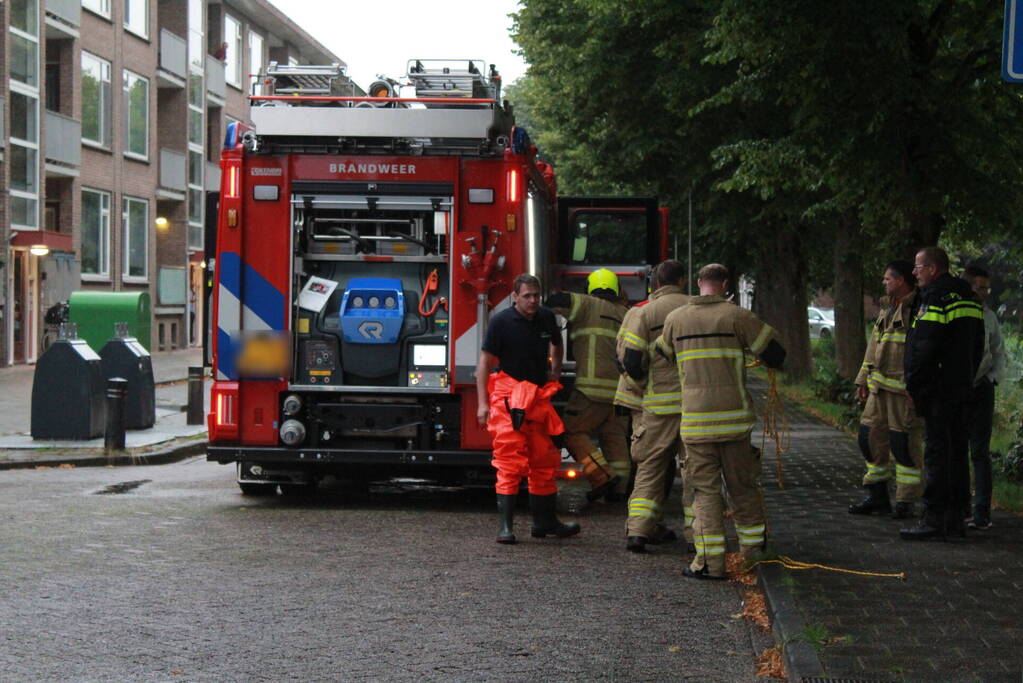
x=609, y=238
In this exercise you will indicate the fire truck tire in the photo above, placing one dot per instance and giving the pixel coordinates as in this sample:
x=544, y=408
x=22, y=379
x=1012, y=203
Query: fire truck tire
x=298, y=491
x=250, y=489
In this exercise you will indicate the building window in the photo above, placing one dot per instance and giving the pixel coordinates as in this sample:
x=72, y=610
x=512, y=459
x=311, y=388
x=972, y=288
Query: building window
x=100, y=7
x=196, y=49
x=24, y=157
x=24, y=117
x=96, y=119
x=95, y=233
x=136, y=17
x=233, y=55
x=24, y=166
x=24, y=59
x=25, y=16
x=255, y=59
x=136, y=118
x=135, y=217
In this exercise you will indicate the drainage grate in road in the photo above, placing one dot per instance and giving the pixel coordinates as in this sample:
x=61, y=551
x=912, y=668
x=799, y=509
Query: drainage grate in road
x=123, y=487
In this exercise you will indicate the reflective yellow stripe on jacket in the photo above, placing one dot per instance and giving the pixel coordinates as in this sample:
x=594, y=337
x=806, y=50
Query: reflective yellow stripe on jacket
x=716, y=423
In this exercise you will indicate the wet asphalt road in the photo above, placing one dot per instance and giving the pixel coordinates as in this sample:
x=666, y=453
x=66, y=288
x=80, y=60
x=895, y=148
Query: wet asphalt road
x=182, y=578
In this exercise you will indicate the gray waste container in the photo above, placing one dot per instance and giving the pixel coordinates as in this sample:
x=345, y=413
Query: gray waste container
x=126, y=357
x=68, y=392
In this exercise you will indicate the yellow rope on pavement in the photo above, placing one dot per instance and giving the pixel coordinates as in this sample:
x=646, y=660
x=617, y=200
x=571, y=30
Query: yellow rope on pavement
x=789, y=563
x=776, y=424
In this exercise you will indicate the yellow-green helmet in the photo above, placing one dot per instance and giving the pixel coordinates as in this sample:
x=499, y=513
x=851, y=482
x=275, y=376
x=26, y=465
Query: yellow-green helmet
x=602, y=279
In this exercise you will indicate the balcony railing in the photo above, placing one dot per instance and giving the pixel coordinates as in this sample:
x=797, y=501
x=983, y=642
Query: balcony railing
x=172, y=170
x=173, y=54
x=212, y=177
x=63, y=139
x=67, y=11
x=215, y=77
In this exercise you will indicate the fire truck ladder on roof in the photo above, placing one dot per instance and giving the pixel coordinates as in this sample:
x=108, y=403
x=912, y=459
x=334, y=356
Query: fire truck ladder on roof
x=304, y=79
x=456, y=111
x=450, y=78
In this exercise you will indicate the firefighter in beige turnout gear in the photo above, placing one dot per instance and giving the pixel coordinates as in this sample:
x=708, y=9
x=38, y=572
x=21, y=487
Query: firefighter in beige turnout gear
x=595, y=319
x=655, y=441
x=889, y=425
x=708, y=338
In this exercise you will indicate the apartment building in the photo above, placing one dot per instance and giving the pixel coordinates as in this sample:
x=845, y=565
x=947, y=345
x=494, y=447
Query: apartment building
x=113, y=114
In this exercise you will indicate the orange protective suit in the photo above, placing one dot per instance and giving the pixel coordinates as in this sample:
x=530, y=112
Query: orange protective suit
x=527, y=451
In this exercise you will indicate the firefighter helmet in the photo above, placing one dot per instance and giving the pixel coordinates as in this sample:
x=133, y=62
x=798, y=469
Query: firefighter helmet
x=602, y=279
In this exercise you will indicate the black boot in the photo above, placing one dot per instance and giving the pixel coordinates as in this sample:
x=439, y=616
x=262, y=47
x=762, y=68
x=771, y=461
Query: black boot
x=545, y=518
x=931, y=526
x=603, y=488
x=876, y=500
x=903, y=511
x=506, y=512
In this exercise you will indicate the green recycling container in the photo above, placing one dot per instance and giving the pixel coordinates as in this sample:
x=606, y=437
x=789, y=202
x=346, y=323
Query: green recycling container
x=95, y=313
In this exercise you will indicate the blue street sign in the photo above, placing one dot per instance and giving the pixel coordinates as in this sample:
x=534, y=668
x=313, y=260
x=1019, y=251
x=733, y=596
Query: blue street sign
x=1012, y=42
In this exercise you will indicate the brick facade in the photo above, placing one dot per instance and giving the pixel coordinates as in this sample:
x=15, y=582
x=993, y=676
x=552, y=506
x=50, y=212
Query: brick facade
x=109, y=169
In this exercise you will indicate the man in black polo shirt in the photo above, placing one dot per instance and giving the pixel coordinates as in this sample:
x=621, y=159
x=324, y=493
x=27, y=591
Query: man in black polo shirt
x=514, y=383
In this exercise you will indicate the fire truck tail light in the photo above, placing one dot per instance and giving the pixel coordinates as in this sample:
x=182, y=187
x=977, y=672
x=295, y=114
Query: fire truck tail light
x=513, y=185
x=224, y=418
x=232, y=183
x=232, y=218
x=510, y=224
x=479, y=195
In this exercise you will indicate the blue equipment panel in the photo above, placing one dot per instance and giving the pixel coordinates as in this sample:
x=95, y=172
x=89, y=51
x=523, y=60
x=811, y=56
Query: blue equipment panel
x=372, y=310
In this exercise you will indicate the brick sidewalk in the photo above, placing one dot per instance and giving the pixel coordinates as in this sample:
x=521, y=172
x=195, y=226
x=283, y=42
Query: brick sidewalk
x=955, y=618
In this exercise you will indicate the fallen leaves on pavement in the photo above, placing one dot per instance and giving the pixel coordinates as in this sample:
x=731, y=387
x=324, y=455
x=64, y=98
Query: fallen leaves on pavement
x=769, y=663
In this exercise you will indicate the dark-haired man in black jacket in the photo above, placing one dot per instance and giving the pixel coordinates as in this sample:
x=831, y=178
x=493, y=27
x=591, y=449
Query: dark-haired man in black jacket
x=943, y=351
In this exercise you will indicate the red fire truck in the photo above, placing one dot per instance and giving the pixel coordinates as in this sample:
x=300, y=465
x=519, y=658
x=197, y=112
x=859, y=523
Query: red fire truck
x=362, y=243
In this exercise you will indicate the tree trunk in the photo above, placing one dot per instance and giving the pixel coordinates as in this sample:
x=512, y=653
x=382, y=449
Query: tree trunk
x=850, y=341
x=780, y=299
x=923, y=230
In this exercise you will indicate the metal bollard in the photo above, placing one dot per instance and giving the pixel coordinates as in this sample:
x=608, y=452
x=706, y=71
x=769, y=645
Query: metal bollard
x=196, y=410
x=113, y=436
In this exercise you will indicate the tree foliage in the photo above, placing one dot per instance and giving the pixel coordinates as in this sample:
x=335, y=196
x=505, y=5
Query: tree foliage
x=788, y=121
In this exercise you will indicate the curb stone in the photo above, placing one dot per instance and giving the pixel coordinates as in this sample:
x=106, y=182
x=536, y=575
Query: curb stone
x=801, y=660
x=172, y=453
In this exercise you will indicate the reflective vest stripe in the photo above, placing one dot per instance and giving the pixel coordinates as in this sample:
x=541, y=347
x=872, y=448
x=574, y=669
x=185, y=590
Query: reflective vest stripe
x=627, y=399
x=635, y=341
x=693, y=354
x=761, y=341
x=737, y=428
x=887, y=382
x=716, y=417
x=593, y=332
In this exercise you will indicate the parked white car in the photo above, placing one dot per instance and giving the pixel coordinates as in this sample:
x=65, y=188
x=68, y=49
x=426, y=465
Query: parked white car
x=822, y=322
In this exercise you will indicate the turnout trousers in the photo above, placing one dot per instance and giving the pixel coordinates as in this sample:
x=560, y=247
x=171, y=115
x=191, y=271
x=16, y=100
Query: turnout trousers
x=584, y=417
x=890, y=430
x=526, y=452
x=655, y=447
x=738, y=465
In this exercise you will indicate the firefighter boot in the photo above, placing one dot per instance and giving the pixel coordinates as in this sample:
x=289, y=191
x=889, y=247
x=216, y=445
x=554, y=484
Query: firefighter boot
x=903, y=511
x=545, y=518
x=876, y=500
x=506, y=511
x=599, y=473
